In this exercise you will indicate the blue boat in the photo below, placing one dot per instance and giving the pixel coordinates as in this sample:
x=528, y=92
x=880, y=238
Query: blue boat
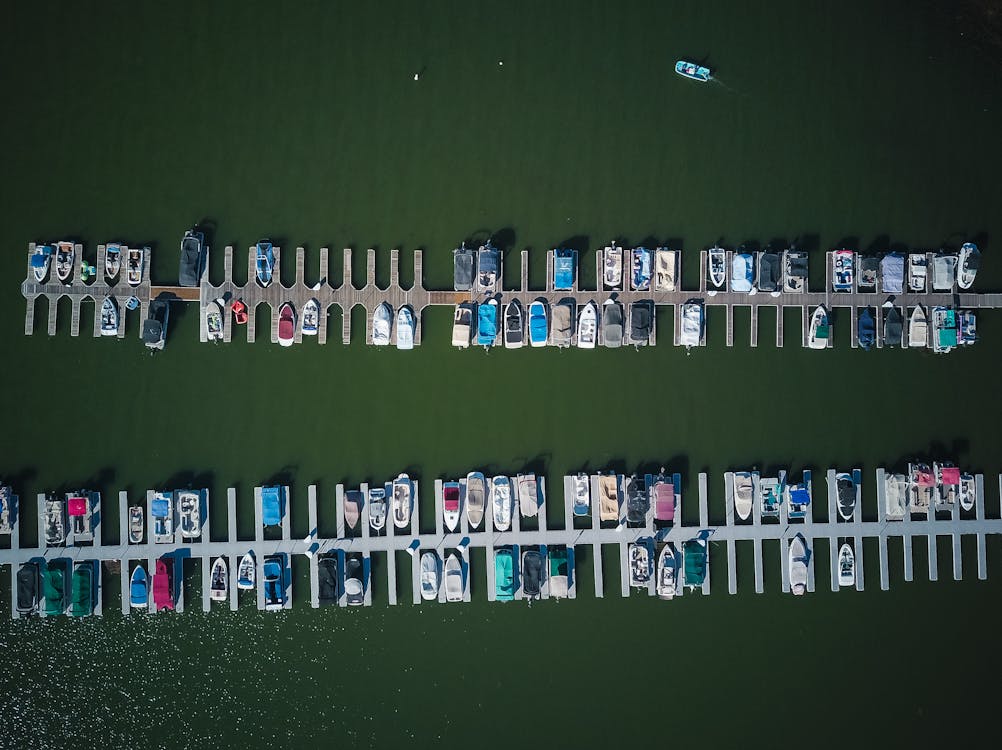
x=867, y=330
x=41, y=259
x=564, y=267
x=693, y=71
x=538, y=326
x=641, y=276
x=139, y=588
x=265, y=262
x=274, y=583
x=271, y=506
x=487, y=323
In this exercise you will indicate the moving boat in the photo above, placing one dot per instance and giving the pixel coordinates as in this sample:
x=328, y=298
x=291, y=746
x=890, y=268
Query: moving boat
x=54, y=588
x=694, y=558
x=666, y=572
x=311, y=317
x=65, y=255
x=214, y=319
x=640, y=278
x=641, y=322
x=798, y=565
x=560, y=571
x=405, y=328
x=137, y=521
x=41, y=261
x=54, y=521
x=475, y=498
x=968, y=265
x=163, y=584
x=663, y=497
x=693, y=71
x=27, y=588
x=665, y=269
x=564, y=268
x=944, y=329
x=219, y=580
x=893, y=326
x=846, y=566
x=162, y=510
x=328, y=580
x=463, y=262
x=866, y=331
x=451, y=505
x=462, y=323
x=892, y=273
x=403, y=491
x=139, y=589
x=112, y=260
x=246, y=572
x=265, y=263
x=514, y=325
x=488, y=269
x=501, y=502
x=190, y=509
x=716, y=261
x=944, y=272
x=562, y=327
x=794, y=271
x=845, y=489
x=453, y=578
x=743, y=272
x=819, y=335
x=382, y=321
x=608, y=498
x=539, y=329
x=155, y=326
x=532, y=573
x=692, y=325
x=612, y=267
x=612, y=324
x=843, y=271
x=504, y=575
x=273, y=571
x=868, y=267
x=192, y=261
x=640, y=564
x=134, y=263
x=80, y=514
x=354, y=586
x=918, y=327
x=528, y=495
x=286, y=325
x=377, y=508
x=968, y=492
x=109, y=317
x=352, y=502
x=587, y=326
x=582, y=495
x=770, y=271
x=487, y=323
x=429, y=576
x=744, y=492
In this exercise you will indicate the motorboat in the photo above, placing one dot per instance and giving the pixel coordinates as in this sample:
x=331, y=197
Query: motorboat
x=453, y=578
x=662, y=494
x=429, y=576
x=869, y=265
x=694, y=562
x=968, y=265
x=665, y=270
x=352, y=507
x=219, y=580
x=54, y=521
x=582, y=495
x=451, y=505
x=846, y=566
x=79, y=510
x=612, y=267
x=892, y=273
x=475, y=498
x=819, y=334
x=286, y=325
x=843, y=271
x=562, y=323
x=608, y=498
x=667, y=564
x=692, y=325
x=639, y=556
x=532, y=573
x=273, y=572
x=770, y=493
x=514, y=325
x=638, y=502
x=377, y=508
x=944, y=329
x=798, y=497
x=716, y=262
x=354, y=583
x=328, y=580
x=794, y=271
x=539, y=329
x=382, y=321
x=845, y=491
x=641, y=322
x=139, y=589
x=565, y=263
x=587, y=326
x=893, y=326
x=743, y=272
x=192, y=261
x=693, y=71
x=272, y=505
x=246, y=572
x=311, y=317
x=967, y=327
x=27, y=588
x=163, y=584
x=528, y=495
x=488, y=269
x=134, y=262
x=54, y=588
x=162, y=511
x=612, y=324
x=213, y=319
x=504, y=575
x=109, y=317
x=401, y=501
x=41, y=261
x=866, y=330
x=798, y=565
x=189, y=506
x=918, y=327
x=895, y=496
x=918, y=272
x=462, y=324
x=463, y=264
x=921, y=487
x=947, y=484
x=744, y=494
x=770, y=271
x=155, y=326
x=559, y=576
x=65, y=256
x=944, y=272
x=405, y=328
x=968, y=491
x=112, y=260
x=501, y=502
x=487, y=323
x=239, y=312
x=264, y=264
x=641, y=269
x=82, y=590
x=137, y=523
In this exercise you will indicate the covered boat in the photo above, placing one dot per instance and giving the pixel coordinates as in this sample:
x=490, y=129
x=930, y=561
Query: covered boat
x=843, y=271
x=402, y=501
x=692, y=325
x=134, y=262
x=947, y=483
x=641, y=269
x=612, y=323
x=944, y=329
x=137, y=523
x=918, y=271
x=189, y=506
x=41, y=261
x=798, y=498
x=794, y=271
x=377, y=508
x=462, y=324
x=328, y=580
x=968, y=265
x=846, y=566
x=582, y=495
x=192, y=261
x=219, y=580
x=162, y=510
x=488, y=269
x=918, y=327
x=54, y=521
x=744, y=494
x=716, y=266
x=895, y=496
x=641, y=322
x=273, y=571
x=487, y=323
x=429, y=576
x=213, y=319
x=866, y=329
x=868, y=267
x=532, y=573
x=272, y=505
x=451, y=505
x=311, y=317
x=109, y=317
x=663, y=498
x=163, y=584
x=155, y=326
x=352, y=507
x=354, y=581
x=819, y=335
x=667, y=565
x=264, y=265
x=539, y=330
x=892, y=273
x=665, y=270
x=694, y=559
x=562, y=323
x=454, y=586
x=845, y=490
x=463, y=271
x=638, y=502
x=475, y=498
x=382, y=321
x=405, y=328
x=612, y=267
x=504, y=575
x=80, y=513
x=528, y=495
x=742, y=272
x=770, y=271
x=501, y=502
x=247, y=572
x=639, y=555
x=514, y=325
x=893, y=326
x=27, y=588
x=693, y=71
x=560, y=571
x=139, y=589
x=798, y=565
x=921, y=487
x=944, y=272
x=565, y=263
x=608, y=498
x=65, y=256
x=54, y=588
x=587, y=326
x=112, y=260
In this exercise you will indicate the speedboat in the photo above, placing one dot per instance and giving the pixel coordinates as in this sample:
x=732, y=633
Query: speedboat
x=612, y=324
x=137, y=522
x=286, y=325
x=311, y=317
x=770, y=271
x=967, y=327
x=451, y=505
x=895, y=496
x=968, y=264
x=564, y=269
x=354, y=586
x=453, y=578
x=666, y=573
x=662, y=491
x=528, y=495
x=612, y=267
x=405, y=328
x=798, y=497
x=27, y=588
x=273, y=571
x=54, y=588
x=532, y=573
x=562, y=323
x=155, y=326
x=403, y=491
x=843, y=271
x=944, y=272
x=246, y=572
x=770, y=492
x=608, y=498
x=893, y=326
x=488, y=269
x=641, y=321
x=163, y=584
x=587, y=326
x=968, y=491
x=693, y=71
x=462, y=323
x=65, y=255
x=665, y=269
x=264, y=265
x=640, y=278
x=162, y=510
x=80, y=514
x=504, y=575
x=41, y=260
x=189, y=509
x=716, y=261
x=798, y=565
x=582, y=495
x=214, y=319
x=82, y=590
x=109, y=317
x=692, y=325
x=944, y=329
x=219, y=580
x=918, y=271
x=134, y=262
x=845, y=490
x=382, y=321
x=377, y=508
x=463, y=262
x=112, y=260
x=429, y=576
x=744, y=494
x=352, y=506
x=192, y=261
x=328, y=580
x=846, y=566
x=918, y=327
x=868, y=267
x=694, y=561
x=487, y=323
x=475, y=498
x=501, y=502
x=743, y=272
x=139, y=589
x=560, y=569
x=866, y=331
x=514, y=325
x=539, y=329
x=54, y=521
x=794, y=271
x=638, y=502
x=819, y=335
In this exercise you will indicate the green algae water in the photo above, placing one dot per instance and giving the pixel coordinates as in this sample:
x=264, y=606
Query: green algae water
x=552, y=123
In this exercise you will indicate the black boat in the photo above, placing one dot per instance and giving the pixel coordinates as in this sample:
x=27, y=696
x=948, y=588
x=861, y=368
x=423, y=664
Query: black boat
x=612, y=323
x=192, y=259
x=354, y=587
x=514, y=325
x=769, y=271
x=893, y=325
x=532, y=573
x=637, y=502
x=641, y=316
x=846, y=490
x=27, y=588
x=327, y=576
x=155, y=327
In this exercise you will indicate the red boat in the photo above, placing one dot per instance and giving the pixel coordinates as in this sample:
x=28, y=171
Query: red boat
x=163, y=590
x=239, y=312
x=286, y=325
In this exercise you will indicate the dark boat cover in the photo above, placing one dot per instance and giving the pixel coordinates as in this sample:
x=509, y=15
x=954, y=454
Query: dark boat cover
x=637, y=504
x=768, y=271
x=640, y=322
x=892, y=273
x=190, y=268
x=868, y=266
x=83, y=591
x=462, y=261
x=327, y=580
x=798, y=267
x=892, y=327
x=153, y=328
x=532, y=572
x=612, y=324
x=846, y=495
x=867, y=331
x=27, y=587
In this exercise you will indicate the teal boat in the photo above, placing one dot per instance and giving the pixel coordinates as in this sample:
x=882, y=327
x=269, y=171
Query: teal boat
x=693, y=71
x=54, y=588
x=694, y=557
x=504, y=575
x=82, y=587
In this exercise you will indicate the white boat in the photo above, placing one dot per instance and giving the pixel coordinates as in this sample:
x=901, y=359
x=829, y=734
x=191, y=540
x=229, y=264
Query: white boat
x=501, y=502
x=744, y=494
x=219, y=580
x=162, y=512
x=968, y=264
x=640, y=564
x=895, y=496
x=528, y=495
x=462, y=321
x=968, y=491
x=246, y=572
x=798, y=566
x=41, y=261
x=382, y=321
x=190, y=511
x=405, y=328
x=918, y=271
x=135, y=259
x=214, y=319
x=351, y=504
x=918, y=327
x=429, y=576
x=403, y=490
x=587, y=326
x=112, y=260
x=475, y=498
x=514, y=325
x=109, y=317
x=311, y=317
x=452, y=506
x=666, y=573
x=286, y=325
x=665, y=269
x=377, y=508
x=944, y=272
x=716, y=262
x=65, y=255
x=692, y=325
x=582, y=495
x=819, y=335
x=612, y=267
x=846, y=566
x=137, y=522
x=843, y=271
x=453, y=578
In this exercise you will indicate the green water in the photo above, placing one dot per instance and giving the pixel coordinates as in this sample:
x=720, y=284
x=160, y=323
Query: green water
x=876, y=122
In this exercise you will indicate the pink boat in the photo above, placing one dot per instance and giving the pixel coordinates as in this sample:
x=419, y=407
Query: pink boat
x=78, y=507
x=664, y=501
x=163, y=595
x=286, y=325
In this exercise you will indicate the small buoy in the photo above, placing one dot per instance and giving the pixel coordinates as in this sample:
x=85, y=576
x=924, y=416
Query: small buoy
x=500, y=62
x=416, y=76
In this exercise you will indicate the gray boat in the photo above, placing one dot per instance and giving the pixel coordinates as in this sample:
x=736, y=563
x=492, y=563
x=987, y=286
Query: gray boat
x=641, y=321
x=155, y=326
x=562, y=323
x=192, y=259
x=514, y=325
x=868, y=267
x=637, y=501
x=54, y=521
x=612, y=324
x=464, y=263
x=532, y=573
x=354, y=585
x=27, y=588
x=795, y=271
x=893, y=326
x=329, y=588
x=770, y=271
x=846, y=491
